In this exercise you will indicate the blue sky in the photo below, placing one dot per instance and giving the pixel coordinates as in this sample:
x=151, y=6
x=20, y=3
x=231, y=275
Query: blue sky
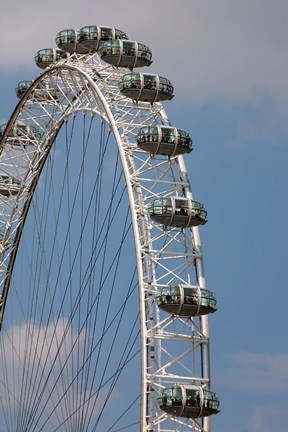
x=228, y=62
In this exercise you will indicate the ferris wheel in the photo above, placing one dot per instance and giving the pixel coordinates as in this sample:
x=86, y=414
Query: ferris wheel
x=104, y=308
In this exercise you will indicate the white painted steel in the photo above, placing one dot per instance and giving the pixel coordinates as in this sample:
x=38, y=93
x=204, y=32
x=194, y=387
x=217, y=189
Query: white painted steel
x=173, y=349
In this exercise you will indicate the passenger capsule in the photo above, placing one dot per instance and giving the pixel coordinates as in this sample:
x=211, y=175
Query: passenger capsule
x=146, y=87
x=177, y=212
x=67, y=40
x=9, y=185
x=47, y=56
x=125, y=53
x=188, y=401
x=91, y=37
x=43, y=92
x=164, y=140
x=22, y=87
x=21, y=134
x=186, y=300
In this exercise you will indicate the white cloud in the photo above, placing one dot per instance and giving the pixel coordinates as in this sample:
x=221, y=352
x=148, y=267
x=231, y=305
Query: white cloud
x=265, y=374
x=31, y=366
x=39, y=374
x=264, y=418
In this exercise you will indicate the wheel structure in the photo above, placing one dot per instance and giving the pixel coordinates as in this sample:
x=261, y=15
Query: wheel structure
x=98, y=330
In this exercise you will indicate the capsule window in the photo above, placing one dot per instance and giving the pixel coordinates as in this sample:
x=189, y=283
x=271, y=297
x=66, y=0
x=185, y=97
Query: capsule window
x=177, y=396
x=92, y=34
x=150, y=82
x=22, y=87
x=184, y=139
x=131, y=81
x=129, y=48
x=88, y=33
x=163, y=206
x=114, y=47
x=210, y=400
x=181, y=207
x=144, y=52
x=119, y=34
x=65, y=36
x=153, y=134
x=193, y=397
x=191, y=296
x=107, y=33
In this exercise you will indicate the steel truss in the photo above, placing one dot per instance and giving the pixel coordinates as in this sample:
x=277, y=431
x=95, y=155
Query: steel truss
x=174, y=349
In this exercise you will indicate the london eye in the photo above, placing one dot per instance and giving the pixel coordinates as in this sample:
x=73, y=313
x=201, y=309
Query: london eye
x=104, y=306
